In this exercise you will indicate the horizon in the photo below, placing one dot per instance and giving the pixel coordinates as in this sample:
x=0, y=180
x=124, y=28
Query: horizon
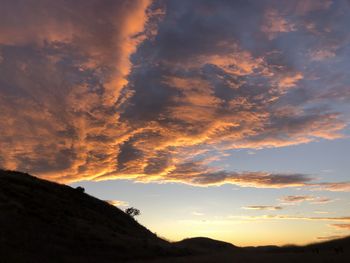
x=220, y=119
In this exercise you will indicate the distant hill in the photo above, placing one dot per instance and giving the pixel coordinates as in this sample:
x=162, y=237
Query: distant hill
x=46, y=222
x=205, y=245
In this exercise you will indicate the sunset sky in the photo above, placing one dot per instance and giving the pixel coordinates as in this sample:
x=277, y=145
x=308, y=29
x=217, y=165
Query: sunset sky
x=217, y=118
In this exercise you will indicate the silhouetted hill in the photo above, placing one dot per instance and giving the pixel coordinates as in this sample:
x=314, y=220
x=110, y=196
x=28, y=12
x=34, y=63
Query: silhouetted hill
x=345, y=242
x=42, y=221
x=335, y=251
x=205, y=245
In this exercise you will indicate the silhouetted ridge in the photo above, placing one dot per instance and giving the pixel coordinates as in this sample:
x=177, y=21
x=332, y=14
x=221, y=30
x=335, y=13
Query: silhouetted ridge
x=42, y=220
x=204, y=244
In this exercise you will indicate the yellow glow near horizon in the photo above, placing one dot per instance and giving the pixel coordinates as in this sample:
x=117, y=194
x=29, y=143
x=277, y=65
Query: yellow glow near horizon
x=246, y=232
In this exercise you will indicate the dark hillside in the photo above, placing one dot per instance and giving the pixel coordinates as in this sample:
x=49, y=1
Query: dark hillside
x=41, y=219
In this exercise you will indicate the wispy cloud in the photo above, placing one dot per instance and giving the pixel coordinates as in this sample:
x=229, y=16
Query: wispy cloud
x=342, y=226
x=297, y=199
x=321, y=200
x=241, y=219
x=294, y=217
x=275, y=23
x=195, y=213
x=262, y=207
x=334, y=187
x=321, y=212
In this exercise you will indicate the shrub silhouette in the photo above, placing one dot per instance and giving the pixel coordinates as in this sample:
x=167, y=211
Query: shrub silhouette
x=80, y=189
x=131, y=211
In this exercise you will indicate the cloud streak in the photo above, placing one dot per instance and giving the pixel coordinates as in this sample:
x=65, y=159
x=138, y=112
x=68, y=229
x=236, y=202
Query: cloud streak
x=297, y=199
x=292, y=217
x=341, y=226
x=262, y=207
x=333, y=187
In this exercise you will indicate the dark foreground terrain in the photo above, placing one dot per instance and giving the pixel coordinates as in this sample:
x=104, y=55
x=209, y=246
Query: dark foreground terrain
x=41, y=221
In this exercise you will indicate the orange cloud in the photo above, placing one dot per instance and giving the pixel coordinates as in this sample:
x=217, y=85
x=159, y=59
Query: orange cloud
x=68, y=83
x=275, y=24
x=290, y=81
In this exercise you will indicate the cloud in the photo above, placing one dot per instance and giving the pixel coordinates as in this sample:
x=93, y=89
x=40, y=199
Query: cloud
x=296, y=199
x=321, y=200
x=197, y=213
x=275, y=23
x=330, y=237
x=290, y=81
x=322, y=54
x=305, y=7
x=197, y=173
x=292, y=217
x=65, y=65
x=159, y=90
x=341, y=226
x=273, y=217
x=334, y=187
x=321, y=212
x=118, y=203
x=262, y=207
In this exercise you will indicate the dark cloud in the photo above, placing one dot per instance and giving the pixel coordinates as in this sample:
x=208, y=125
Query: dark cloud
x=128, y=154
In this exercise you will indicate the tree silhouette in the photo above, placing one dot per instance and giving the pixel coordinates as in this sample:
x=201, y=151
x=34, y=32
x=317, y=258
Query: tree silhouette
x=131, y=211
x=80, y=189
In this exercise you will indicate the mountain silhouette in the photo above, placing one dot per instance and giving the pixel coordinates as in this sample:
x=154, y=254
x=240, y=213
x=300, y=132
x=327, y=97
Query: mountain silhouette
x=43, y=221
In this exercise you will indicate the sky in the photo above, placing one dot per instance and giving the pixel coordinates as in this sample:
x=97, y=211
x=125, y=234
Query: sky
x=225, y=119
